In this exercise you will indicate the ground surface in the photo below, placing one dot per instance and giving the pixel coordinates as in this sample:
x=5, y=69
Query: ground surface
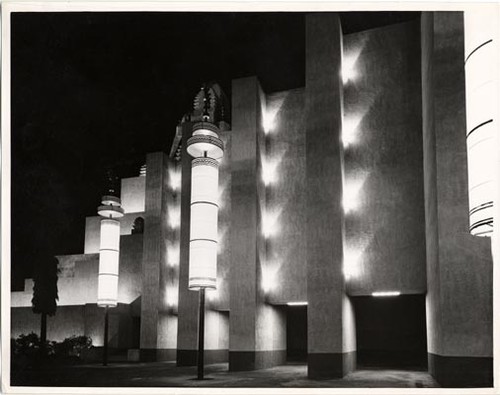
x=166, y=374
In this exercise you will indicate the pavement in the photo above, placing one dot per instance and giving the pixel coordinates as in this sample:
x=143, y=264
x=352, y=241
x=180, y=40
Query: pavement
x=166, y=374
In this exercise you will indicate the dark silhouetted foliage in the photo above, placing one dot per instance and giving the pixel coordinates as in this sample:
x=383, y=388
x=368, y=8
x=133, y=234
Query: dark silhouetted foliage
x=45, y=293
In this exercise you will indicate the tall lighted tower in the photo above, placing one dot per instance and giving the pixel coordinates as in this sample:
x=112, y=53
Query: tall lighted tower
x=109, y=255
x=207, y=149
x=481, y=76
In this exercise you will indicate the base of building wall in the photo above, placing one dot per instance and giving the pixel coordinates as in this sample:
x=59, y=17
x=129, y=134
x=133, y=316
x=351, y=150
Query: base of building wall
x=349, y=362
x=157, y=354
x=95, y=354
x=190, y=357
x=324, y=366
x=459, y=372
x=253, y=360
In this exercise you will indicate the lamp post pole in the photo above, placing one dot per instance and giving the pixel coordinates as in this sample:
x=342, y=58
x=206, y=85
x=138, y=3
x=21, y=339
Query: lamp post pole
x=105, y=348
x=201, y=334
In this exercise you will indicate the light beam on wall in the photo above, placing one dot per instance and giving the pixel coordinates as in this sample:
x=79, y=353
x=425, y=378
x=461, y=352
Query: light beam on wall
x=175, y=179
x=270, y=111
x=269, y=276
x=350, y=199
x=173, y=253
x=350, y=129
x=349, y=60
x=220, y=195
x=348, y=68
x=172, y=296
x=221, y=239
x=174, y=216
x=269, y=170
x=351, y=263
x=213, y=294
x=268, y=122
x=270, y=222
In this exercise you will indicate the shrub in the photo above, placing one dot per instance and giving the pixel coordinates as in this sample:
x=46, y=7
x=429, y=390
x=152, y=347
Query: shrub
x=73, y=346
x=26, y=344
x=29, y=346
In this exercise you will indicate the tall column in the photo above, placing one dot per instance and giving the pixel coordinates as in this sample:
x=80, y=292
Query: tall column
x=256, y=329
x=154, y=253
x=327, y=356
x=169, y=272
x=459, y=265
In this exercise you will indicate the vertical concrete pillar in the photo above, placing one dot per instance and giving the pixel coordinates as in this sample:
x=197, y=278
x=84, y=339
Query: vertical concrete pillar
x=459, y=265
x=327, y=356
x=154, y=252
x=256, y=330
x=169, y=273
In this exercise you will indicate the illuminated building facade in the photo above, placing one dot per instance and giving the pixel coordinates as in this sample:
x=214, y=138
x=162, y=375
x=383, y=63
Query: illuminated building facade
x=330, y=195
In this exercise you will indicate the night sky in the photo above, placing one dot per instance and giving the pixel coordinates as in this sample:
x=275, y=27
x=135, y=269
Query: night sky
x=92, y=91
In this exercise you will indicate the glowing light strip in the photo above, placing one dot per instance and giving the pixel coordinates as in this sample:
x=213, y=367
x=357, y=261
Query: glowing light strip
x=297, y=304
x=386, y=293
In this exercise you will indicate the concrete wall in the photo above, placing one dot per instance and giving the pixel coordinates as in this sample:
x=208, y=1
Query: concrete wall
x=68, y=321
x=385, y=232
x=459, y=302
x=256, y=330
x=77, y=280
x=285, y=156
x=133, y=194
x=219, y=299
x=154, y=256
x=327, y=357
x=93, y=230
x=78, y=320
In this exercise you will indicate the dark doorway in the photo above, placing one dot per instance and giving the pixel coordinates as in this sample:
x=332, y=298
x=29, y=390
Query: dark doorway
x=391, y=331
x=296, y=333
x=136, y=332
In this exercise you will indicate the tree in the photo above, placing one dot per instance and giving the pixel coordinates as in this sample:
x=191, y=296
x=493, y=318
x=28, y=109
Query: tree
x=45, y=294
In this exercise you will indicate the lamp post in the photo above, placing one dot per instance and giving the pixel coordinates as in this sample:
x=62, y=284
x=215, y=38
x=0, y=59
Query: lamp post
x=109, y=255
x=481, y=77
x=207, y=149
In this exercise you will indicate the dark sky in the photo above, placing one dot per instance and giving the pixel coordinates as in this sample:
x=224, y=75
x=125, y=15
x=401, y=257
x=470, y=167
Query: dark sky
x=94, y=90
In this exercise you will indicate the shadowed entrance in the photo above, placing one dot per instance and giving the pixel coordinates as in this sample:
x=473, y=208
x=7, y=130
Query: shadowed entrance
x=390, y=332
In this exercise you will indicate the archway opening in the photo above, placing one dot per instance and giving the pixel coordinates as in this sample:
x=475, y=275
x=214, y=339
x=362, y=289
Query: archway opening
x=296, y=334
x=391, y=332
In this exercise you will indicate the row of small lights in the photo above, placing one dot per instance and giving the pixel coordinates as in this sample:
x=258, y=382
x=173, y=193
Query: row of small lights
x=174, y=221
x=350, y=201
x=269, y=224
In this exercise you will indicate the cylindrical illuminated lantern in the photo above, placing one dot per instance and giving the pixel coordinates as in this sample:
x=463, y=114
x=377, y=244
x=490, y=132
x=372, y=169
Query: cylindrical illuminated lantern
x=109, y=251
x=481, y=102
x=207, y=149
